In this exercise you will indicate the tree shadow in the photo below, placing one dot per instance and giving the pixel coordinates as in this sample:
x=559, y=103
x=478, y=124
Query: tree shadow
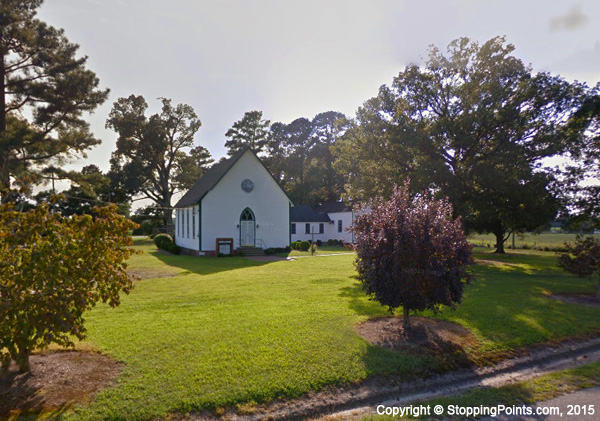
x=360, y=303
x=205, y=265
x=21, y=400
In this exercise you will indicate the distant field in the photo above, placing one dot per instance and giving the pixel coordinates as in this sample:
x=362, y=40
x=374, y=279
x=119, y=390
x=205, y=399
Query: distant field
x=527, y=240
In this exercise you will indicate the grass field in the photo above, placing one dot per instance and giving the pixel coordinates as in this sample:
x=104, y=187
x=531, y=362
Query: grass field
x=201, y=333
x=528, y=240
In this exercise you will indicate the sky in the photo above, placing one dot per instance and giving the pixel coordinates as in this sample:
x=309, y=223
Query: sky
x=294, y=59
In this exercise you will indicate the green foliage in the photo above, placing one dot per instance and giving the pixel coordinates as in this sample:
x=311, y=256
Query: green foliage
x=299, y=155
x=146, y=227
x=582, y=258
x=165, y=242
x=472, y=124
x=583, y=196
x=411, y=253
x=52, y=270
x=151, y=158
x=249, y=132
x=44, y=91
x=300, y=245
x=276, y=250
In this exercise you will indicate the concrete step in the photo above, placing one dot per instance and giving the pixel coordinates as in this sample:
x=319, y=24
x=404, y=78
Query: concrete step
x=252, y=251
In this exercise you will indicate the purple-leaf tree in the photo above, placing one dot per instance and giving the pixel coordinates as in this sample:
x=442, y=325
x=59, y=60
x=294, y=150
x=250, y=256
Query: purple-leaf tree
x=411, y=253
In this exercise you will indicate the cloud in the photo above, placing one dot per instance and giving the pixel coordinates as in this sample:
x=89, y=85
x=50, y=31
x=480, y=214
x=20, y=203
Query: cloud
x=573, y=19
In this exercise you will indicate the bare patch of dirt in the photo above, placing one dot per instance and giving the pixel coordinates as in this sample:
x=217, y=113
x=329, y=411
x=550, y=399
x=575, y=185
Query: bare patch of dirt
x=586, y=300
x=143, y=274
x=57, y=381
x=387, y=332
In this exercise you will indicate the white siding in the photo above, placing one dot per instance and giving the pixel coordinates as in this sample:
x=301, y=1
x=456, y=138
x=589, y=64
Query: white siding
x=314, y=226
x=186, y=234
x=223, y=205
x=331, y=229
x=346, y=218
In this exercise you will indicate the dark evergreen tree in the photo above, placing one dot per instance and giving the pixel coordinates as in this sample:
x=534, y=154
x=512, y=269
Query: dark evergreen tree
x=41, y=78
x=251, y=131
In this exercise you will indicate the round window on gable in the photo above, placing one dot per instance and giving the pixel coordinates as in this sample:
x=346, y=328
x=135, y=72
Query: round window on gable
x=247, y=185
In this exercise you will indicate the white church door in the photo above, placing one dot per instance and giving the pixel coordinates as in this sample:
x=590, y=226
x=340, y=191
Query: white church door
x=247, y=228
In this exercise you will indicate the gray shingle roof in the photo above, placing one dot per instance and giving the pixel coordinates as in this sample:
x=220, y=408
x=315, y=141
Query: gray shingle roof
x=208, y=181
x=329, y=207
x=305, y=213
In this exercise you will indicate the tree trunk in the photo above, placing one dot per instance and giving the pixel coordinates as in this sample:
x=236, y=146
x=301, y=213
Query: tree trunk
x=499, y=242
x=4, y=175
x=23, y=361
x=406, y=322
x=5, y=363
x=2, y=94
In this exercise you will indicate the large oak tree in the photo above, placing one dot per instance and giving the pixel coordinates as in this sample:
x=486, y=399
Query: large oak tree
x=473, y=124
x=155, y=155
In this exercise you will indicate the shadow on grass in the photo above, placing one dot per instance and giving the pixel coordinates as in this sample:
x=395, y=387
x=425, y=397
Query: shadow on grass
x=506, y=309
x=360, y=303
x=205, y=265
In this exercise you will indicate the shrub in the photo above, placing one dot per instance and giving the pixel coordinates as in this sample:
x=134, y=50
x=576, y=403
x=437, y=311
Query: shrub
x=147, y=227
x=137, y=231
x=319, y=243
x=165, y=242
x=53, y=269
x=582, y=259
x=304, y=245
x=161, y=240
x=275, y=250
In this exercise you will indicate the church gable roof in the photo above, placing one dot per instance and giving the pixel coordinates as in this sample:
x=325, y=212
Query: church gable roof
x=208, y=181
x=212, y=177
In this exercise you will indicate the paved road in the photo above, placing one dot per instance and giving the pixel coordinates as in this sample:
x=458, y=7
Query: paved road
x=578, y=400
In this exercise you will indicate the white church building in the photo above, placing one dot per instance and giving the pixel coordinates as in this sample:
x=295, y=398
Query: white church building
x=236, y=205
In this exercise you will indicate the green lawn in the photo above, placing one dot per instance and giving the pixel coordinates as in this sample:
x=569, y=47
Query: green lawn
x=213, y=332
x=528, y=240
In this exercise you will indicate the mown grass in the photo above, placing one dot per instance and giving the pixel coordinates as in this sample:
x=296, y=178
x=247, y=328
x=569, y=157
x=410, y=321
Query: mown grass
x=215, y=332
x=528, y=392
x=546, y=240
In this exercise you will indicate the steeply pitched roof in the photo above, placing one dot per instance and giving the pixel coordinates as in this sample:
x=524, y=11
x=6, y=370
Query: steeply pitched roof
x=208, y=181
x=305, y=213
x=330, y=207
